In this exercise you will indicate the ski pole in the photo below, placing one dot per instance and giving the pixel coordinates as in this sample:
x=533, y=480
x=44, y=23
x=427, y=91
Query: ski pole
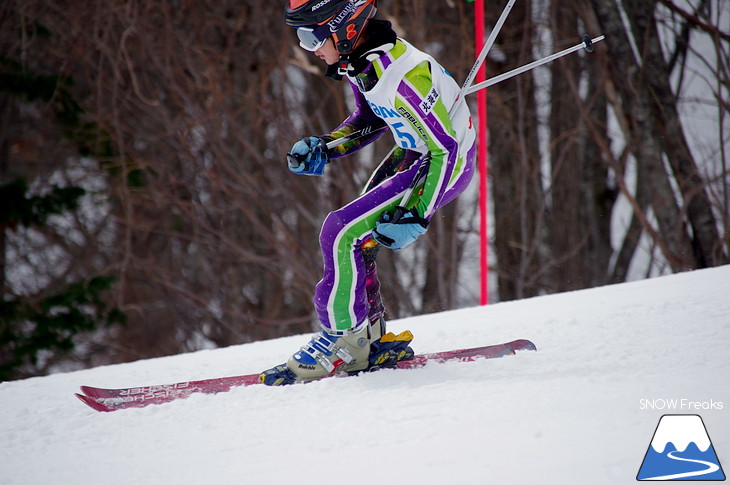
x=355, y=134
x=586, y=44
x=295, y=160
x=487, y=47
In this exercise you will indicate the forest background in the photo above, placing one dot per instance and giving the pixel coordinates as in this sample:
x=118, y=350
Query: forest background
x=146, y=208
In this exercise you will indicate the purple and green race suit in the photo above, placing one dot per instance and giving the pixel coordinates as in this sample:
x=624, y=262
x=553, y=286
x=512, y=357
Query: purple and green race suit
x=411, y=93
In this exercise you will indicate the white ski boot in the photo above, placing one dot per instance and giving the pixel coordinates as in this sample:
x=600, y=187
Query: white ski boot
x=351, y=351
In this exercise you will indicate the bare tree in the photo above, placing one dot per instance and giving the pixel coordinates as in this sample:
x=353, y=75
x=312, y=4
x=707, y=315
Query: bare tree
x=519, y=204
x=648, y=109
x=185, y=109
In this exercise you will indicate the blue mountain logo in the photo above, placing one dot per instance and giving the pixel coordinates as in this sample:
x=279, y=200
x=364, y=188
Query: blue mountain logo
x=681, y=450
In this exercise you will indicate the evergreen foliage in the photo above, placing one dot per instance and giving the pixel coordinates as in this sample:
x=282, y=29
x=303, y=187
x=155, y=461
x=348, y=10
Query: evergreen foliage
x=17, y=208
x=29, y=331
x=48, y=327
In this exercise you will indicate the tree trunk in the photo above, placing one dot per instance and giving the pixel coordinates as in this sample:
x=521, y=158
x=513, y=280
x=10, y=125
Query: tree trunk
x=570, y=170
x=641, y=138
x=707, y=245
x=515, y=165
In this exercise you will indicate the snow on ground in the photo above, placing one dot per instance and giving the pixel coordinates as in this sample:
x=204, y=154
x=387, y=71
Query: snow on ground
x=577, y=411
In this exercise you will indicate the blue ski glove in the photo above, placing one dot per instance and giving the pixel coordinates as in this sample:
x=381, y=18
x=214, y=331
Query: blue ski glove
x=400, y=229
x=308, y=156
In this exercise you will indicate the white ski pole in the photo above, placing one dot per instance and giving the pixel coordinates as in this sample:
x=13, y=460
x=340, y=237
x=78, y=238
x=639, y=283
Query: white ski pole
x=355, y=134
x=487, y=47
x=587, y=44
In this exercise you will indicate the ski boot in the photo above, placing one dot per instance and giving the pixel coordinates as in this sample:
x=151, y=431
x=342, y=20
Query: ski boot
x=353, y=351
x=389, y=349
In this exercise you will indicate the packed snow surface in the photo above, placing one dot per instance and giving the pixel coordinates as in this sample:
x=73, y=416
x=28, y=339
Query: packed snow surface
x=582, y=409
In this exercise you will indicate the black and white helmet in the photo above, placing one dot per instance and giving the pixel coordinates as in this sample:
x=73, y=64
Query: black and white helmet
x=318, y=20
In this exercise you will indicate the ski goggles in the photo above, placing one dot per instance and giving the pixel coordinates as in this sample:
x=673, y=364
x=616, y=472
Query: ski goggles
x=311, y=38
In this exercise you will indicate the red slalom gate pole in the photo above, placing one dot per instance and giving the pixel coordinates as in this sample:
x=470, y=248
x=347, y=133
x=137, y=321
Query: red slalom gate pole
x=482, y=158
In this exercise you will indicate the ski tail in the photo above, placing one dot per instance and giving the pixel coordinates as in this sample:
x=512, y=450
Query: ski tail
x=94, y=403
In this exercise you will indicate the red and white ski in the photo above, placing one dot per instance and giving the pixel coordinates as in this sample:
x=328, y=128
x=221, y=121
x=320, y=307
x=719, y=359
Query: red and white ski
x=137, y=397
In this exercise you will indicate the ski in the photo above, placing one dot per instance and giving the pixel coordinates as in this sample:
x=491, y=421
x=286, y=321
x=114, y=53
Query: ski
x=106, y=400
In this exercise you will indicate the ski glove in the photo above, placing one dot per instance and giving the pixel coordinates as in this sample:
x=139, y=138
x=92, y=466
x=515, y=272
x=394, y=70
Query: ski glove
x=400, y=229
x=308, y=156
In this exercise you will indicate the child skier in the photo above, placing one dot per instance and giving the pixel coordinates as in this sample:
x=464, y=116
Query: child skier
x=398, y=86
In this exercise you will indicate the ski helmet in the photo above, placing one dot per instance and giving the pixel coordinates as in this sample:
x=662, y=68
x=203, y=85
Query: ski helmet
x=318, y=20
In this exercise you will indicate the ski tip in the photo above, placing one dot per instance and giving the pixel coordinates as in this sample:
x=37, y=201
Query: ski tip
x=522, y=344
x=93, y=403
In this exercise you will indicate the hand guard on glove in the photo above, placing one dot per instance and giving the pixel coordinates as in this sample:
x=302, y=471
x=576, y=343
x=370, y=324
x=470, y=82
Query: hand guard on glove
x=308, y=156
x=399, y=229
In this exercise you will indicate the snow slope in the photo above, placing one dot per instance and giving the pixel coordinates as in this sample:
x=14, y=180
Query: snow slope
x=583, y=409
